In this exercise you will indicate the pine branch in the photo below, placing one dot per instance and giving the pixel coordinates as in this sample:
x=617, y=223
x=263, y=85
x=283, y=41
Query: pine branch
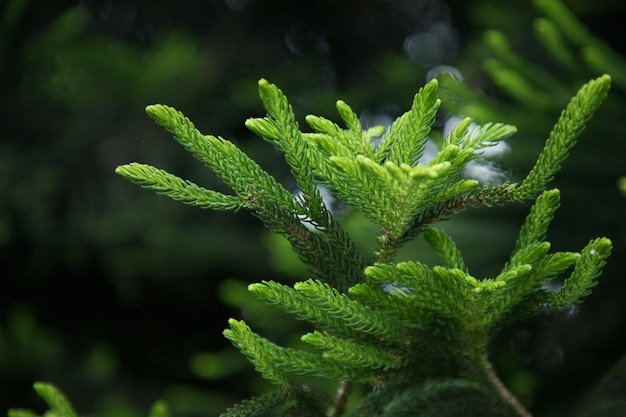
x=489, y=134
x=527, y=297
x=354, y=353
x=445, y=249
x=321, y=304
x=587, y=269
x=178, y=189
x=404, y=142
x=328, y=252
x=355, y=316
x=563, y=136
x=468, y=135
x=281, y=129
x=269, y=200
x=380, y=297
x=274, y=362
x=234, y=167
x=527, y=255
x=411, y=331
x=445, y=292
x=354, y=140
x=381, y=192
x=351, y=119
x=536, y=225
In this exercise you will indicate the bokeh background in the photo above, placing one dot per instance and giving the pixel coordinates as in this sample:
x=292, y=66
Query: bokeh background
x=119, y=296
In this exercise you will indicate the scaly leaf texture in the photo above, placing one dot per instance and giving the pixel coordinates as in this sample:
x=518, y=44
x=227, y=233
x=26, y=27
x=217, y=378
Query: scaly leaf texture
x=362, y=143
x=563, y=136
x=448, y=163
x=467, y=134
x=526, y=297
x=331, y=255
x=392, y=195
x=354, y=142
x=445, y=249
x=178, y=189
x=383, y=193
x=456, y=198
x=521, y=294
x=382, y=298
x=444, y=292
x=404, y=142
x=317, y=302
x=257, y=406
x=233, y=166
x=489, y=134
x=281, y=129
x=535, y=227
x=275, y=362
x=355, y=316
x=354, y=353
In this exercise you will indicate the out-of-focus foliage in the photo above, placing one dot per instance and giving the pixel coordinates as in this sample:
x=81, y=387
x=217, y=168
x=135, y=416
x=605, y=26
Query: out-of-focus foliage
x=83, y=289
x=622, y=184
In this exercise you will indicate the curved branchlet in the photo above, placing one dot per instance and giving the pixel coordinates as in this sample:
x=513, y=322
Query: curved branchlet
x=281, y=129
x=406, y=138
x=587, y=269
x=445, y=249
x=276, y=363
x=178, y=189
x=563, y=136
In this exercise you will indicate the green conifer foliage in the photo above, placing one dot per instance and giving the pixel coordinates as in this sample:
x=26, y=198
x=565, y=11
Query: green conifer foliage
x=414, y=335
x=412, y=332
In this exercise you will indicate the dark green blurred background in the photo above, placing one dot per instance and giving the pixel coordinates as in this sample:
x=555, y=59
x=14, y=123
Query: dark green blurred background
x=119, y=296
